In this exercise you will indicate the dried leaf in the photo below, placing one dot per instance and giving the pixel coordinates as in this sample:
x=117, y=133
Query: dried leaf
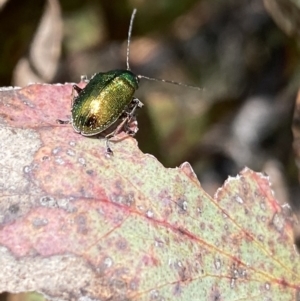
x=41, y=63
x=76, y=224
x=286, y=15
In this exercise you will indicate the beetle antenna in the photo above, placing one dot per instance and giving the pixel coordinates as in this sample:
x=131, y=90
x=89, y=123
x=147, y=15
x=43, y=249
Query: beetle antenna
x=147, y=77
x=129, y=37
x=170, y=82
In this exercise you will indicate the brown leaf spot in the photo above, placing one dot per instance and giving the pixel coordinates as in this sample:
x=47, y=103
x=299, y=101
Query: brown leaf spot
x=81, y=223
x=215, y=294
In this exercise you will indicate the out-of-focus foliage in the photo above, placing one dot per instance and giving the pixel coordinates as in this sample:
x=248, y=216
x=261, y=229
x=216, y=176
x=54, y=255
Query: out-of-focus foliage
x=31, y=50
x=286, y=14
x=233, y=49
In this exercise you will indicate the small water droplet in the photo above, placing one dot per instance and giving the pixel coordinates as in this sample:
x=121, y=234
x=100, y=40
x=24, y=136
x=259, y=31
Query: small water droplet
x=232, y=283
x=182, y=204
x=260, y=237
x=59, y=160
x=159, y=243
x=48, y=201
x=199, y=210
x=149, y=213
x=65, y=203
x=81, y=161
x=70, y=152
x=243, y=273
x=263, y=219
x=179, y=263
x=39, y=222
x=267, y=286
x=26, y=169
x=238, y=199
x=217, y=263
x=108, y=262
x=235, y=273
x=278, y=222
x=28, y=103
x=262, y=206
x=154, y=294
x=72, y=143
x=56, y=150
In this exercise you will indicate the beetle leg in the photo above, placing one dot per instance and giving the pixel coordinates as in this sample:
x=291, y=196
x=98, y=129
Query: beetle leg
x=119, y=128
x=108, y=151
x=136, y=105
x=74, y=98
x=123, y=126
x=77, y=89
x=63, y=121
x=131, y=108
x=139, y=103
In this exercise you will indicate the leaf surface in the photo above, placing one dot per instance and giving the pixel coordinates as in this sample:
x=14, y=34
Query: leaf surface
x=75, y=223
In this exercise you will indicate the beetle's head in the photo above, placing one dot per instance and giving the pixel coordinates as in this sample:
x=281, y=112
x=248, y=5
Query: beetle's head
x=132, y=78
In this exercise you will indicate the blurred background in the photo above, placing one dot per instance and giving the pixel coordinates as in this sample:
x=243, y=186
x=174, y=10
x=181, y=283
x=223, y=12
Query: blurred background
x=243, y=53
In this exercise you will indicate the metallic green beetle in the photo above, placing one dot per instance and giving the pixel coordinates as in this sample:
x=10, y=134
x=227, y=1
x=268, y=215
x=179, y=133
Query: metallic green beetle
x=102, y=101
x=108, y=97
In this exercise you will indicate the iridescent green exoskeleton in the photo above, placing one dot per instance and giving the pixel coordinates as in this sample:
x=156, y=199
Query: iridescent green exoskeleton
x=108, y=97
x=102, y=101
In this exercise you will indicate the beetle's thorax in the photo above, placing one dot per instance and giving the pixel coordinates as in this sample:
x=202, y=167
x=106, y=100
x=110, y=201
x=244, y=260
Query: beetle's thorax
x=126, y=75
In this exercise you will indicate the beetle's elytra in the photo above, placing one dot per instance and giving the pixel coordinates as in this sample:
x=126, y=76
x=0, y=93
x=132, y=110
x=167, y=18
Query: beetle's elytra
x=108, y=97
x=102, y=101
